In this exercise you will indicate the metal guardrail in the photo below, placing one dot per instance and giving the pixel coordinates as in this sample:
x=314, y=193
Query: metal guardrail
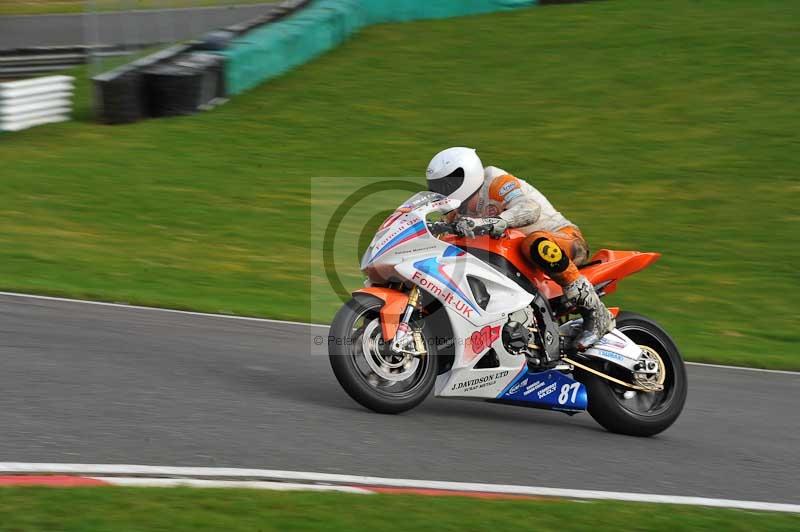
x=137, y=27
x=26, y=62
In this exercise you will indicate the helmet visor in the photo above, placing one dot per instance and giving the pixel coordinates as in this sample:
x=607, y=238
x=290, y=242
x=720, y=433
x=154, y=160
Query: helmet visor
x=448, y=184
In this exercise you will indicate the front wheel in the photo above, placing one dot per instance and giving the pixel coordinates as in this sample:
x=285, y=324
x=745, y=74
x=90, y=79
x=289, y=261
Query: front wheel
x=369, y=372
x=634, y=412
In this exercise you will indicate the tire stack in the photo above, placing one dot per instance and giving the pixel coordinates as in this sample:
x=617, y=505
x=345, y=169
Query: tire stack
x=180, y=80
x=184, y=85
x=120, y=97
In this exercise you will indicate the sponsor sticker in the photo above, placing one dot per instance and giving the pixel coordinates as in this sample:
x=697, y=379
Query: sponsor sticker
x=480, y=382
x=533, y=387
x=452, y=300
x=514, y=389
x=610, y=354
x=547, y=391
x=611, y=342
x=482, y=339
x=415, y=250
x=513, y=194
x=508, y=187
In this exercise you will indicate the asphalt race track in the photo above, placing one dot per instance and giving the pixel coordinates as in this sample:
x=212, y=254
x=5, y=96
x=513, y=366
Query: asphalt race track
x=144, y=27
x=98, y=384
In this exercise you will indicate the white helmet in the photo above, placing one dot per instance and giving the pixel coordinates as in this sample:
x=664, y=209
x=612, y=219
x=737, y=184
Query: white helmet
x=456, y=173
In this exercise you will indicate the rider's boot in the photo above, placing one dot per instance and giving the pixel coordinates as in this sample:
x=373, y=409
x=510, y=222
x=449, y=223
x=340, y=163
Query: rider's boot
x=597, y=319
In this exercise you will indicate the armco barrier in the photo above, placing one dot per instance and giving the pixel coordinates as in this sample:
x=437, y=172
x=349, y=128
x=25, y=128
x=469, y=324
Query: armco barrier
x=31, y=102
x=24, y=62
x=268, y=51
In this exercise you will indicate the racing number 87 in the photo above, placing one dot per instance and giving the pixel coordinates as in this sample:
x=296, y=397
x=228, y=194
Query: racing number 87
x=564, y=396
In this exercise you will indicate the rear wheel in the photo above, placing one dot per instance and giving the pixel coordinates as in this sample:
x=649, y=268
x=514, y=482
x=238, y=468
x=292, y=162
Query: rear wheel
x=633, y=412
x=368, y=370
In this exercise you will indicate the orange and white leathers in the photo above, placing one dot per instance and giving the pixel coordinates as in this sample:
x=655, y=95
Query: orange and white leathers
x=553, y=243
x=523, y=207
x=515, y=201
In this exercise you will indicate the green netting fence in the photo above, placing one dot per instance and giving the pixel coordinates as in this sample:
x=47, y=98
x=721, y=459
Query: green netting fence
x=273, y=49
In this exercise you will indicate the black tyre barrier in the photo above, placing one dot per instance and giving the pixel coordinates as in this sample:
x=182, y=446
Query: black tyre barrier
x=121, y=95
x=183, y=85
x=120, y=99
x=184, y=79
x=173, y=89
x=180, y=80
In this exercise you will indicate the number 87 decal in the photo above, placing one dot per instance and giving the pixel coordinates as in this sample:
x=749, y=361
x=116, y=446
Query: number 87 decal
x=564, y=396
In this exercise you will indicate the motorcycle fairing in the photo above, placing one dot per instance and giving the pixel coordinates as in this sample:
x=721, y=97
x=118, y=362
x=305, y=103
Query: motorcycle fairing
x=605, y=266
x=435, y=268
x=413, y=228
x=551, y=390
x=394, y=303
x=612, y=265
x=443, y=274
x=405, y=250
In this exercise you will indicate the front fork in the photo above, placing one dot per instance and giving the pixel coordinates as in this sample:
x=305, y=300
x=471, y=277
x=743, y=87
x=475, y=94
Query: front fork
x=406, y=340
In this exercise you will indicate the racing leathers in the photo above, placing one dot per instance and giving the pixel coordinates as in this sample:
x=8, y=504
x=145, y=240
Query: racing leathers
x=553, y=243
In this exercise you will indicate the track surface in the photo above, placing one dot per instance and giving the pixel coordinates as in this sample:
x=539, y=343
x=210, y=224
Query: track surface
x=125, y=27
x=96, y=384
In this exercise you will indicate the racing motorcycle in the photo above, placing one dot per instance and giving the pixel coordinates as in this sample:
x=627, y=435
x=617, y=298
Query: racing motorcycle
x=472, y=318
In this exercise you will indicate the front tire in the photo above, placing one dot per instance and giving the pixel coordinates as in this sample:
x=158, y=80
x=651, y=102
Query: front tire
x=640, y=413
x=385, y=382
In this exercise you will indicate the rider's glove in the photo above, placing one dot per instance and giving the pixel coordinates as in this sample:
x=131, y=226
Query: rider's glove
x=495, y=227
x=466, y=227
x=498, y=227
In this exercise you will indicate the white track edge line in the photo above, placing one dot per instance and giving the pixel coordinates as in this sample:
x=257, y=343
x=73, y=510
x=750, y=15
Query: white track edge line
x=159, y=309
x=103, y=470
x=206, y=483
x=743, y=368
x=288, y=322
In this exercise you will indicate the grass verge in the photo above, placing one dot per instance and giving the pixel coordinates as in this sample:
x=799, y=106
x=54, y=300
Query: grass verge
x=666, y=126
x=175, y=509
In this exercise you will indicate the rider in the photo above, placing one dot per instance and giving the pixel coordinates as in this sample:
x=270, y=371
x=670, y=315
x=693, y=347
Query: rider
x=494, y=200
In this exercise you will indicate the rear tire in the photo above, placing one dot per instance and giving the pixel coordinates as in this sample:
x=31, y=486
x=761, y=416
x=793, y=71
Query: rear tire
x=356, y=376
x=609, y=407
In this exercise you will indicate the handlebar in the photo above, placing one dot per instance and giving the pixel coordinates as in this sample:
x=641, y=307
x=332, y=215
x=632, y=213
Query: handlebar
x=440, y=228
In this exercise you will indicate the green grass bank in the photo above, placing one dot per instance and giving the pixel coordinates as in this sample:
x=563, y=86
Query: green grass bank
x=176, y=509
x=665, y=126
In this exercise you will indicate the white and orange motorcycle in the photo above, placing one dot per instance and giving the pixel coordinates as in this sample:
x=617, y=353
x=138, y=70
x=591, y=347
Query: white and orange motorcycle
x=472, y=318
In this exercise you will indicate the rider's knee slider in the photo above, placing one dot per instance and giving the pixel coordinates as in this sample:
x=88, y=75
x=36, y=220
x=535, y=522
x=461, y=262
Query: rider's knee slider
x=549, y=256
